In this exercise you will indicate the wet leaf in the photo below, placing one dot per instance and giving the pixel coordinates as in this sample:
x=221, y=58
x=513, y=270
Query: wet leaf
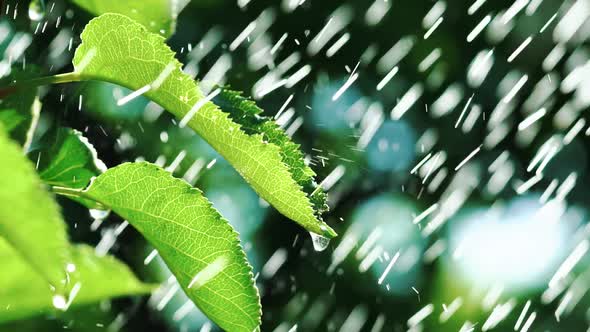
x=158, y=16
x=25, y=293
x=245, y=112
x=198, y=245
x=29, y=217
x=19, y=113
x=118, y=50
x=70, y=161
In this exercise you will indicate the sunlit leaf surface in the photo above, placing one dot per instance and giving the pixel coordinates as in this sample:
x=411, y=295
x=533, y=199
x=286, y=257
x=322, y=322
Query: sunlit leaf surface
x=158, y=16
x=198, y=245
x=25, y=293
x=29, y=217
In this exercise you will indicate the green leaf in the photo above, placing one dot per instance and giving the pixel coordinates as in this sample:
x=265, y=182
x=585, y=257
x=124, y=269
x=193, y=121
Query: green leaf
x=24, y=293
x=29, y=217
x=70, y=161
x=158, y=16
x=245, y=112
x=118, y=50
x=19, y=113
x=198, y=245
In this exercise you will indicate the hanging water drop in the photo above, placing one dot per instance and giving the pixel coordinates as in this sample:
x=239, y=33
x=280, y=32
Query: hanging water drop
x=98, y=214
x=37, y=10
x=320, y=243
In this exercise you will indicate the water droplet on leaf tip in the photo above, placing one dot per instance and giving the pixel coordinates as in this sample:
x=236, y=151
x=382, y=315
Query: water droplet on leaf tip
x=320, y=243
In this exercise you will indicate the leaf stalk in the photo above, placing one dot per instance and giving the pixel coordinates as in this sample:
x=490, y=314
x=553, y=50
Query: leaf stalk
x=39, y=81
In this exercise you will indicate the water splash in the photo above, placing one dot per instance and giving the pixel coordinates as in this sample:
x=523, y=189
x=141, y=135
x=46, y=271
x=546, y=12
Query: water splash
x=320, y=243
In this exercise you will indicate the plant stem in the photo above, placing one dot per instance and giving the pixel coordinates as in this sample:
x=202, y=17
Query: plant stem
x=35, y=82
x=69, y=192
x=55, y=79
x=66, y=191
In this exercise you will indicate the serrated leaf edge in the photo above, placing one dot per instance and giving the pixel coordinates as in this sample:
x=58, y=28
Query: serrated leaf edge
x=308, y=218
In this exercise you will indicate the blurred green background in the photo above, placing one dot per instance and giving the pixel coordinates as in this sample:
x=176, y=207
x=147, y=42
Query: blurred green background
x=496, y=250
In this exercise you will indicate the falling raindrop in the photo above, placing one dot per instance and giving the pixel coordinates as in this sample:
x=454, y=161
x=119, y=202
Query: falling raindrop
x=320, y=243
x=37, y=10
x=59, y=302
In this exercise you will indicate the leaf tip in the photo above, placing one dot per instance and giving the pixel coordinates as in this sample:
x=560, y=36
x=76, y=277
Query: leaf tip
x=327, y=231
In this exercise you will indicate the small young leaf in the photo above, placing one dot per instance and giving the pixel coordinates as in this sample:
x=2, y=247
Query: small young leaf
x=197, y=244
x=118, y=50
x=29, y=217
x=70, y=161
x=19, y=113
x=24, y=293
x=158, y=16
